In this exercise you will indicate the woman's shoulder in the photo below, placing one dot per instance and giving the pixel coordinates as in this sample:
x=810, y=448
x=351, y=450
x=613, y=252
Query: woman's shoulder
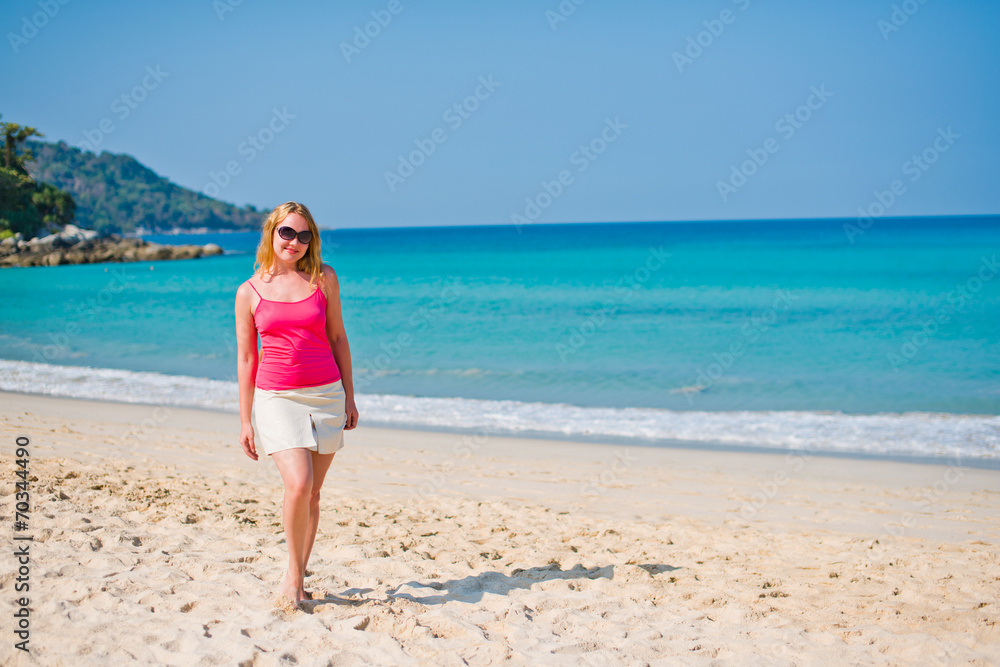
x=248, y=287
x=327, y=275
x=328, y=281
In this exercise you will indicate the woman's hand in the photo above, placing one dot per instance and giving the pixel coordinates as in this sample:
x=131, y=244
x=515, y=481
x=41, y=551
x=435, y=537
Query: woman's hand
x=352, y=413
x=246, y=441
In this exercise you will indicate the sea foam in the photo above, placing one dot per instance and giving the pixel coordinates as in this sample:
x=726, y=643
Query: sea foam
x=920, y=434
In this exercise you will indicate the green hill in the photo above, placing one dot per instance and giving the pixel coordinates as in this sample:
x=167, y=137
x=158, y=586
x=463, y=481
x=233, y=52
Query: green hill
x=116, y=193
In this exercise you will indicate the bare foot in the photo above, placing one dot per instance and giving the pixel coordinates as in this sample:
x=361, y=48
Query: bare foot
x=295, y=594
x=282, y=602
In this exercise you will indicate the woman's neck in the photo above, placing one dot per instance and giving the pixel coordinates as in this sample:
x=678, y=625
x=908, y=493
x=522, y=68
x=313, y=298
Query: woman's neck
x=281, y=269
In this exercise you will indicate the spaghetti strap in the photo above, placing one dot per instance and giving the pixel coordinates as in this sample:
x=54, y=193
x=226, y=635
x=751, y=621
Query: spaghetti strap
x=254, y=288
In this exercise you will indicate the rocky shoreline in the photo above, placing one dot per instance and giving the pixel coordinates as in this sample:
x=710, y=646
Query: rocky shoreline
x=81, y=246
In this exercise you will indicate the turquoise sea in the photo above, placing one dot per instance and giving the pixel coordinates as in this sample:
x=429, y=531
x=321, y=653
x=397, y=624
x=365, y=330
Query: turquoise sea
x=774, y=334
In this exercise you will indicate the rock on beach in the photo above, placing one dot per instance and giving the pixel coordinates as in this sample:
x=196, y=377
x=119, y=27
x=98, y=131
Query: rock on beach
x=86, y=246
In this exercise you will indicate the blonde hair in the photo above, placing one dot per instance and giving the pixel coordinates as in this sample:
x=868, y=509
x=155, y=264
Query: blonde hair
x=311, y=261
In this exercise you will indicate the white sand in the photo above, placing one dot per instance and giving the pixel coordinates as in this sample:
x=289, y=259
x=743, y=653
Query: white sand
x=158, y=542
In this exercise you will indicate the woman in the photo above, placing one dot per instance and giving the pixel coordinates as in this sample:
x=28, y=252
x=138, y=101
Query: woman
x=298, y=399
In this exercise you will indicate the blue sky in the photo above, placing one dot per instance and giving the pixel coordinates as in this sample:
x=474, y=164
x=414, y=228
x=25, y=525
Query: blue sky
x=329, y=128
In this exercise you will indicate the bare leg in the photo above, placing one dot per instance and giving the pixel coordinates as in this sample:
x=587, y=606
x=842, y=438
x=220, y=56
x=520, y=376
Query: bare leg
x=295, y=466
x=320, y=465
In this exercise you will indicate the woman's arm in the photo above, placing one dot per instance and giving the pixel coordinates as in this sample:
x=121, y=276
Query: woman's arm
x=338, y=341
x=246, y=365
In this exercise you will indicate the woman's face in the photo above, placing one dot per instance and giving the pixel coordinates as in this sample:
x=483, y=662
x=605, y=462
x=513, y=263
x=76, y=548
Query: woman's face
x=290, y=251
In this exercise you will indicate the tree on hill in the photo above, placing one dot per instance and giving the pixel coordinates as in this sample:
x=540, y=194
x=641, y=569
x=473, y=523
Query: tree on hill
x=14, y=137
x=117, y=193
x=27, y=206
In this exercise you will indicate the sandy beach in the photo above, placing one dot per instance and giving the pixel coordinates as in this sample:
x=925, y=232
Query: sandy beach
x=157, y=541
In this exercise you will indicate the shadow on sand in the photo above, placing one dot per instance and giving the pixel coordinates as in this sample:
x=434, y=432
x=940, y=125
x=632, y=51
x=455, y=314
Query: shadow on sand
x=472, y=588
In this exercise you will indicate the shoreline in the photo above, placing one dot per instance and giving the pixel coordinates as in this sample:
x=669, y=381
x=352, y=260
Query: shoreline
x=696, y=446
x=149, y=521
x=585, y=439
x=778, y=475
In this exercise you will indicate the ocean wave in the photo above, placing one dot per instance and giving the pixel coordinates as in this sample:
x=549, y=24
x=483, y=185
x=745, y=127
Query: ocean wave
x=903, y=434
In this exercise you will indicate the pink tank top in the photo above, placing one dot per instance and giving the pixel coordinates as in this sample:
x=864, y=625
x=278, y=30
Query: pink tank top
x=295, y=348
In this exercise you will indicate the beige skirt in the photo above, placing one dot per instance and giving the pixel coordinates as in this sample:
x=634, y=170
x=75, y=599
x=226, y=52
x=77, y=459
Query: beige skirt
x=308, y=417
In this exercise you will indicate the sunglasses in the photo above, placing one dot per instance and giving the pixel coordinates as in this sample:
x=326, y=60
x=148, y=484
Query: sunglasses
x=288, y=234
